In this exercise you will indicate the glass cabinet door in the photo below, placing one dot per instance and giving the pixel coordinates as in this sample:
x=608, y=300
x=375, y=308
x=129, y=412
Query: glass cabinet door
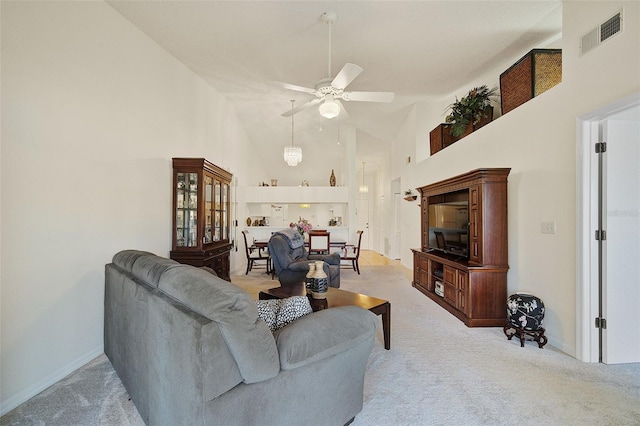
x=208, y=210
x=218, y=216
x=225, y=211
x=187, y=209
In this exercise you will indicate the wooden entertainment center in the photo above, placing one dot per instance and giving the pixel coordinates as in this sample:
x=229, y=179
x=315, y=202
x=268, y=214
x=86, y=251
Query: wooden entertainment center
x=473, y=287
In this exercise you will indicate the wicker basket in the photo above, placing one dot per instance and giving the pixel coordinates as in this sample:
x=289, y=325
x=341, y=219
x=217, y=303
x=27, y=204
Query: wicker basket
x=535, y=73
x=440, y=137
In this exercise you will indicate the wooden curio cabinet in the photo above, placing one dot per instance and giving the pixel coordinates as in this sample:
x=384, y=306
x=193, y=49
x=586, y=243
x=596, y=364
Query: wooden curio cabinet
x=471, y=284
x=201, y=215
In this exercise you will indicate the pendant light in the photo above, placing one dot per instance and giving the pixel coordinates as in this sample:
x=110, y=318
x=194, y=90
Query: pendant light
x=363, y=188
x=292, y=153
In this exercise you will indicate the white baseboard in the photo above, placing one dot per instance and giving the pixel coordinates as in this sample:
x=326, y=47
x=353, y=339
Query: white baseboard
x=569, y=350
x=56, y=376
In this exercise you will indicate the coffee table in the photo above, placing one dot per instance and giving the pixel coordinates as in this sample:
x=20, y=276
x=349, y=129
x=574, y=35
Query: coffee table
x=335, y=298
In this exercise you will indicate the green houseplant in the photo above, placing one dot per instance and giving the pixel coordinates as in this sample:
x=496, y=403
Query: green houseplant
x=470, y=109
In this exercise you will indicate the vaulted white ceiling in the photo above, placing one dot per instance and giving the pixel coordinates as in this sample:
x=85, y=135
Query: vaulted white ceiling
x=421, y=50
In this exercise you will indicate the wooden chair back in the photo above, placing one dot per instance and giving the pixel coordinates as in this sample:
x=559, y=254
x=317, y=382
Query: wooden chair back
x=247, y=249
x=319, y=242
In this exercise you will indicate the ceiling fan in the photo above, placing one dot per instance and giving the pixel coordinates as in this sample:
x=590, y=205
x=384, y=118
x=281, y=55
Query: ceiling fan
x=329, y=91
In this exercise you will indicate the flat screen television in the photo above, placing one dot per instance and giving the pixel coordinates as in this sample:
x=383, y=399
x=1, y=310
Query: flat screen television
x=448, y=226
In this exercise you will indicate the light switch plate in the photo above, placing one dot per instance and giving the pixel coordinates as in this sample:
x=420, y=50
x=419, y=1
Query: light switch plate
x=548, y=227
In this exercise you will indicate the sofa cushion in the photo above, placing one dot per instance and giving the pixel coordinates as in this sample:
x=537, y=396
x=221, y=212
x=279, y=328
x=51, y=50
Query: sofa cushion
x=322, y=334
x=279, y=312
x=249, y=339
x=150, y=268
x=126, y=258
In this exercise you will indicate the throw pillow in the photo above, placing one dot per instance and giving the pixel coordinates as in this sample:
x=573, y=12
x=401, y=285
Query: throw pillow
x=279, y=312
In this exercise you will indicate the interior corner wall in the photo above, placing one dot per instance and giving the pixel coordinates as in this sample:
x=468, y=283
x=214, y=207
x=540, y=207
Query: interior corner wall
x=538, y=141
x=92, y=113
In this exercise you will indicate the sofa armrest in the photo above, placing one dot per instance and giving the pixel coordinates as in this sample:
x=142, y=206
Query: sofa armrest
x=331, y=259
x=301, y=265
x=323, y=334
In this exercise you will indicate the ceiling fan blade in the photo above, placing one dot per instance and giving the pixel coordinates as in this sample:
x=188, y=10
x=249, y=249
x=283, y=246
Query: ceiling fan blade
x=368, y=96
x=347, y=74
x=294, y=87
x=296, y=110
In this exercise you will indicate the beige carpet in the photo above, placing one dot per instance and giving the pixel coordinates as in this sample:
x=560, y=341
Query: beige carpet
x=438, y=372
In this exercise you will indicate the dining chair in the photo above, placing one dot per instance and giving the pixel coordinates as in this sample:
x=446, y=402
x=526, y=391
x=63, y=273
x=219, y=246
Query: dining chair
x=352, y=254
x=256, y=255
x=440, y=240
x=319, y=242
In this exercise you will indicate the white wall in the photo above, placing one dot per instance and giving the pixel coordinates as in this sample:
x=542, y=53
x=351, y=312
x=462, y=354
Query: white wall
x=538, y=141
x=92, y=113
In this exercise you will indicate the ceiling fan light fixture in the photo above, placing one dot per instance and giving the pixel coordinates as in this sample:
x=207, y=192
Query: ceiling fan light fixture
x=329, y=108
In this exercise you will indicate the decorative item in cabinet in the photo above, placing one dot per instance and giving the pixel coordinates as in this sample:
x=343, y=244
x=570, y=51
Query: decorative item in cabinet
x=201, y=214
x=533, y=74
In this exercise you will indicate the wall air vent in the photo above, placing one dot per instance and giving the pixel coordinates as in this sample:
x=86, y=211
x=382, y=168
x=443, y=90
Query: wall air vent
x=611, y=27
x=602, y=32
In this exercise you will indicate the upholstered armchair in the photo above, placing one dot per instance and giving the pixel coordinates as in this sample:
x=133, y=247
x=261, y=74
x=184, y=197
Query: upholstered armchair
x=291, y=259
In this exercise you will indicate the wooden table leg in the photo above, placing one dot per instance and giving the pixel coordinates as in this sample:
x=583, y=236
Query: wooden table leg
x=385, y=311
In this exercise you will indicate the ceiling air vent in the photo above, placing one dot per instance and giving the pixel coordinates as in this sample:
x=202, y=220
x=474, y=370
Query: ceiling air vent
x=602, y=32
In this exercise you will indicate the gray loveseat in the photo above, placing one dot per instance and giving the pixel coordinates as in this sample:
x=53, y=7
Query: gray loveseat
x=191, y=350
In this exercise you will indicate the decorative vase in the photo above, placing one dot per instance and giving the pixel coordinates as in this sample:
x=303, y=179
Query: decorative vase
x=332, y=179
x=525, y=311
x=309, y=278
x=248, y=221
x=320, y=284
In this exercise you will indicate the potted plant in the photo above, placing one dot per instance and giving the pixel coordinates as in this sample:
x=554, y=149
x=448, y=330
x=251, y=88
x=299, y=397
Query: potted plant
x=408, y=195
x=470, y=110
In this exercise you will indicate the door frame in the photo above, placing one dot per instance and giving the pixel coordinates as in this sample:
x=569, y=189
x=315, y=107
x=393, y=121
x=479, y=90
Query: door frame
x=588, y=125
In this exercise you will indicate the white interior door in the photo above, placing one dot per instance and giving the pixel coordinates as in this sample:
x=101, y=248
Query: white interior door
x=621, y=254
x=362, y=214
x=395, y=246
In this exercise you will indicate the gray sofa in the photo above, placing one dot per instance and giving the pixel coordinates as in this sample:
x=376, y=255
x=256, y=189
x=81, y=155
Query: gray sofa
x=191, y=350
